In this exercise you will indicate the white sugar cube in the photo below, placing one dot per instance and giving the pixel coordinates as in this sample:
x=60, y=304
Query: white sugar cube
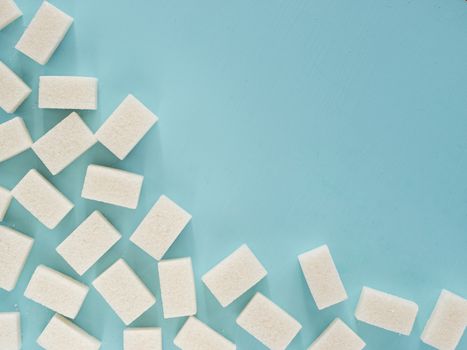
x=56, y=291
x=45, y=32
x=14, y=250
x=196, y=335
x=322, y=277
x=386, y=311
x=126, y=126
x=88, y=242
x=61, y=334
x=112, y=186
x=234, y=275
x=41, y=199
x=268, y=323
x=5, y=199
x=338, y=336
x=13, y=90
x=148, y=338
x=9, y=11
x=67, y=92
x=14, y=138
x=160, y=228
x=447, y=322
x=123, y=290
x=177, y=287
x=64, y=143
x=10, y=329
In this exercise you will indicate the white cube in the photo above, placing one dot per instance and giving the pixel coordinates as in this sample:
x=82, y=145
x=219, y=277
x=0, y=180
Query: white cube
x=196, y=335
x=9, y=11
x=234, y=275
x=14, y=250
x=160, y=228
x=13, y=90
x=148, y=338
x=112, y=186
x=268, y=323
x=56, y=291
x=5, y=199
x=45, y=32
x=123, y=290
x=64, y=143
x=61, y=334
x=67, y=92
x=126, y=126
x=88, y=242
x=10, y=330
x=14, y=138
x=42, y=199
x=386, y=311
x=338, y=336
x=177, y=283
x=447, y=322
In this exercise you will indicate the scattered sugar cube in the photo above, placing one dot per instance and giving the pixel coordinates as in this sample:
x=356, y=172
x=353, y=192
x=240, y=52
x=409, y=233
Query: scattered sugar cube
x=14, y=250
x=178, y=292
x=88, y=242
x=67, y=92
x=9, y=11
x=322, y=277
x=10, y=329
x=56, y=291
x=123, y=290
x=64, y=143
x=338, y=336
x=13, y=90
x=447, y=322
x=113, y=186
x=45, y=32
x=61, y=334
x=148, y=338
x=41, y=199
x=14, y=138
x=196, y=335
x=234, y=275
x=5, y=199
x=160, y=228
x=126, y=126
x=386, y=311
x=268, y=323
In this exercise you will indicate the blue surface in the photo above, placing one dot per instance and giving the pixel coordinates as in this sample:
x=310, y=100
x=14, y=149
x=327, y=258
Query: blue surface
x=283, y=125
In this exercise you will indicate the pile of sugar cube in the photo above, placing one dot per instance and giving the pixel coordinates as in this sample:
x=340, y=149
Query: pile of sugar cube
x=120, y=286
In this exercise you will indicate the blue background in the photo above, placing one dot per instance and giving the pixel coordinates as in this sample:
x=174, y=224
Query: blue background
x=284, y=125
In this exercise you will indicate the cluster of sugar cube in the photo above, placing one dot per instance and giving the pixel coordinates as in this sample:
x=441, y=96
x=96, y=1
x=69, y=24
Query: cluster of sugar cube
x=120, y=285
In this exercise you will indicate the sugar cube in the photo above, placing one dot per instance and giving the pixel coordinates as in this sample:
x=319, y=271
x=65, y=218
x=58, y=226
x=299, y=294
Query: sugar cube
x=56, y=291
x=64, y=143
x=88, y=242
x=338, y=336
x=177, y=287
x=9, y=11
x=148, y=338
x=45, y=32
x=14, y=250
x=234, y=275
x=13, y=90
x=113, y=186
x=60, y=334
x=447, y=322
x=67, y=92
x=322, y=277
x=5, y=199
x=196, y=335
x=126, y=126
x=386, y=311
x=14, y=138
x=41, y=199
x=160, y=228
x=122, y=289
x=10, y=330
x=268, y=323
